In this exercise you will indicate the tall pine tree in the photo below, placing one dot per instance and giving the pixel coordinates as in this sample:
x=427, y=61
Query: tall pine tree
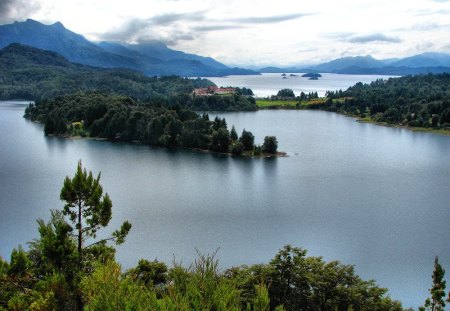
x=437, y=291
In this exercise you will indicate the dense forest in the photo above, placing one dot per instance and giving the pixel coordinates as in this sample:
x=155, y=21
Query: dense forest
x=416, y=101
x=67, y=268
x=34, y=74
x=121, y=118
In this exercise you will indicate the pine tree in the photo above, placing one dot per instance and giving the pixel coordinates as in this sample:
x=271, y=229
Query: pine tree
x=437, y=291
x=233, y=134
x=89, y=209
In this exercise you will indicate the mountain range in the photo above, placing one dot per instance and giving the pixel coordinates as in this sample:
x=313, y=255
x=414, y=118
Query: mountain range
x=152, y=58
x=156, y=59
x=430, y=62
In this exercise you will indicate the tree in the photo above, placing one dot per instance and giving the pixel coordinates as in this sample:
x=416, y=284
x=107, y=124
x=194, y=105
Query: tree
x=437, y=291
x=108, y=289
x=233, y=134
x=220, y=140
x=89, y=209
x=236, y=148
x=289, y=279
x=149, y=273
x=286, y=93
x=248, y=140
x=270, y=144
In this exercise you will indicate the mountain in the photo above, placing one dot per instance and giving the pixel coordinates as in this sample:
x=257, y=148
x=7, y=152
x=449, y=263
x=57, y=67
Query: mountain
x=430, y=59
x=160, y=50
x=31, y=73
x=58, y=39
x=424, y=63
x=153, y=58
x=346, y=62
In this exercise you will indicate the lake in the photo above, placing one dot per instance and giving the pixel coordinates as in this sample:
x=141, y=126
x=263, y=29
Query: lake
x=372, y=196
x=268, y=84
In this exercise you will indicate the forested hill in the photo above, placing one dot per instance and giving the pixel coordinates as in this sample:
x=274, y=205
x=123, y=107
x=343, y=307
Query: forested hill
x=121, y=118
x=417, y=101
x=33, y=74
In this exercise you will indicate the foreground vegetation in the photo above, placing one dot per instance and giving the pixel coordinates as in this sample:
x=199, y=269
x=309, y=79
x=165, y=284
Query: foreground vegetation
x=121, y=118
x=67, y=268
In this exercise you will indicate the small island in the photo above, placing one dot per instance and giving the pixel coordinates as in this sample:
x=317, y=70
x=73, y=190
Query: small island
x=312, y=76
x=120, y=118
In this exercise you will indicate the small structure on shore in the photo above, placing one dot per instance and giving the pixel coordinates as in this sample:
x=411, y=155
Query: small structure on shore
x=214, y=90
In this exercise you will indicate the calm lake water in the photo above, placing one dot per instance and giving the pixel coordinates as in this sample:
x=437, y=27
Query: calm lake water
x=371, y=196
x=268, y=84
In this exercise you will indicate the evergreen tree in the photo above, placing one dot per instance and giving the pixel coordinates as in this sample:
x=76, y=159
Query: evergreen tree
x=88, y=209
x=248, y=140
x=233, y=134
x=437, y=291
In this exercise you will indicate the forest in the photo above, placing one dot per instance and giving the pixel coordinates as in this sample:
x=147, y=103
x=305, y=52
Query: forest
x=121, y=118
x=67, y=267
x=414, y=101
x=33, y=74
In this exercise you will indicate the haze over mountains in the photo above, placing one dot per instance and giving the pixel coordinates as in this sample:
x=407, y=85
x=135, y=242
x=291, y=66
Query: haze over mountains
x=155, y=58
x=430, y=62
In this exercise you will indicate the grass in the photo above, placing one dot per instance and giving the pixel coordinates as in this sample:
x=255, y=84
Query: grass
x=287, y=104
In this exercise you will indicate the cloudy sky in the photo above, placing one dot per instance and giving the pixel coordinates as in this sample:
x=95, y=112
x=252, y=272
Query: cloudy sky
x=254, y=32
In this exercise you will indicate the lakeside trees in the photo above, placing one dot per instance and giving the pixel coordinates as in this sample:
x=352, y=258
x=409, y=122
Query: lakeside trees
x=417, y=101
x=121, y=118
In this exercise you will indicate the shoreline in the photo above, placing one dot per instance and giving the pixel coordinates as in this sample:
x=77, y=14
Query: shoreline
x=406, y=127
x=443, y=132
x=279, y=154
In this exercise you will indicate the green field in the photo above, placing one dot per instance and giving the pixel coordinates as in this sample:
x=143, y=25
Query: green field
x=287, y=104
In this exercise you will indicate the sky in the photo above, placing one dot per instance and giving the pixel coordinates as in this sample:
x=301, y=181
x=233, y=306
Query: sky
x=254, y=32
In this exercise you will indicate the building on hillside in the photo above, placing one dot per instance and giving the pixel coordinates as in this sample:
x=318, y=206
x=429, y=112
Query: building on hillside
x=225, y=90
x=214, y=90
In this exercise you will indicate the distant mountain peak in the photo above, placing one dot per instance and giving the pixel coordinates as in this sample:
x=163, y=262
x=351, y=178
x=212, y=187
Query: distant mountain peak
x=58, y=25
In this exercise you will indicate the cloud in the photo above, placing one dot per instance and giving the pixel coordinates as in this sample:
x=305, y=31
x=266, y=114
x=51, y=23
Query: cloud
x=164, y=27
x=338, y=35
x=173, y=27
x=375, y=37
x=206, y=28
x=167, y=19
x=355, y=38
x=431, y=12
x=268, y=19
x=424, y=46
x=13, y=10
x=427, y=27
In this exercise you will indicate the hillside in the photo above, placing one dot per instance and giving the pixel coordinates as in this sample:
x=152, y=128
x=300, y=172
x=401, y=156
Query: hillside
x=151, y=58
x=31, y=73
x=414, y=101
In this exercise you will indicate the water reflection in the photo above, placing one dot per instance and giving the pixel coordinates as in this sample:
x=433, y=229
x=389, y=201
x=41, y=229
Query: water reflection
x=371, y=196
x=57, y=144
